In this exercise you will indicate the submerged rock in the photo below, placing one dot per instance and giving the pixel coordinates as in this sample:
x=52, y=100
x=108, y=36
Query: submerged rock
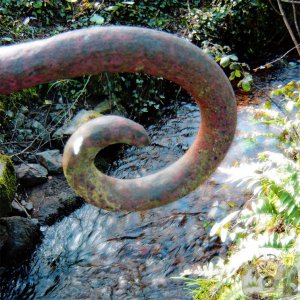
x=8, y=185
x=31, y=174
x=19, y=237
x=51, y=160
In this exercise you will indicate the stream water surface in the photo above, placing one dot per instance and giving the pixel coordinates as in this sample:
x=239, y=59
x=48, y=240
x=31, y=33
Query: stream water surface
x=96, y=254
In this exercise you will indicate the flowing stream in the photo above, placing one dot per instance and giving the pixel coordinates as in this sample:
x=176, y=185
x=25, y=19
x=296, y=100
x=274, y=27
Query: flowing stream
x=96, y=254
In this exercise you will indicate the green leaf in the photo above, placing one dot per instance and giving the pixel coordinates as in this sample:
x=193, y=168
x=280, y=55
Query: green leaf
x=47, y=102
x=268, y=105
x=233, y=57
x=38, y=4
x=234, y=66
x=97, y=19
x=246, y=82
x=246, y=86
x=237, y=73
x=112, y=8
x=232, y=75
x=225, y=61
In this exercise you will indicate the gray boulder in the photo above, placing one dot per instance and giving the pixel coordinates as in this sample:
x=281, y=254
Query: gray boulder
x=18, y=241
x=31, y=174
x=51, y=160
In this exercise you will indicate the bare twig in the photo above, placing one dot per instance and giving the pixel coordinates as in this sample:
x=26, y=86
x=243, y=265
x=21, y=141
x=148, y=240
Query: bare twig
x=286, y=22
x=25, y=210
x=274, y=61
x=275, y=9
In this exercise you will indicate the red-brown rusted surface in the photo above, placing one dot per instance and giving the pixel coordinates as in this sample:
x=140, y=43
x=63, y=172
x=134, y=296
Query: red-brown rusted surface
x=128, y=49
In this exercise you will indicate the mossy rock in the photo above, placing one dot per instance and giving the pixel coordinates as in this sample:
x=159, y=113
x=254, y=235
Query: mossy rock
x=8, y=184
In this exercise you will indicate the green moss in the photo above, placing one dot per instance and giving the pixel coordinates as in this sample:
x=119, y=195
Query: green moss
x=92, y=115
x=14, y=100
x=8, y=184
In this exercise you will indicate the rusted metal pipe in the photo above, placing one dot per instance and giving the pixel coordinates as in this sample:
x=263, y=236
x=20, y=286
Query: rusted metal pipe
x=129, y=49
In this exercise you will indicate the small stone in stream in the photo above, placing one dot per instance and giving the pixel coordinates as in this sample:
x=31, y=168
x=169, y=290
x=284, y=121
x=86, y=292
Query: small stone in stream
x=31, y=174
x=22, y=238
x=51, y=160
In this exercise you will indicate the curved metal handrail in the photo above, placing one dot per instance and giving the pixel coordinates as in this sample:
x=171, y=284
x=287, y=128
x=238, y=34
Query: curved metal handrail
x=129, y=49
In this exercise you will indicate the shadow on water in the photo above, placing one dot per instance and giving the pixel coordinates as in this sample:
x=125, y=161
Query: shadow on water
x=95, y=254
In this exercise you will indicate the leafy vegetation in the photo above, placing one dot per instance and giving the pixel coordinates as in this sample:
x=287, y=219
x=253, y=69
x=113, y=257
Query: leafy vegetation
x=141, y=95
x=264, y=255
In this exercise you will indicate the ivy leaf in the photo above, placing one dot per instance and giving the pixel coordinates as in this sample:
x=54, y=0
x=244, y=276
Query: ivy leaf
x=97, y=19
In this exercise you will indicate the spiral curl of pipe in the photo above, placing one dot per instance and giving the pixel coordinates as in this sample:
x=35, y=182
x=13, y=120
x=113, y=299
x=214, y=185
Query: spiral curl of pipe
x=129, y=49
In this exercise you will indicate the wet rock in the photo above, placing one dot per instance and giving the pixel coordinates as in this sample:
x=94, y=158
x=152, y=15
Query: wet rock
x=21, y=238
x=39, y=129
x=51, y=160
x=53, y=200
x=7, y=184
x=31, y=174
x=3, y=236
x=80, y=118
x=19, y=119
x=18, y=209
x=28, y=205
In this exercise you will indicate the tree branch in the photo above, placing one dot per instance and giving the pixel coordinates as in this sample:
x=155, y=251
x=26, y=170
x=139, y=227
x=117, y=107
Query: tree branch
x=291, y=1
x=268, y=65
x=295, y=19
x=286, y=22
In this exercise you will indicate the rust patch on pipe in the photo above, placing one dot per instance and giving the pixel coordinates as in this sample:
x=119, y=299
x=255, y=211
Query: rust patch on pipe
x=129, y=49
